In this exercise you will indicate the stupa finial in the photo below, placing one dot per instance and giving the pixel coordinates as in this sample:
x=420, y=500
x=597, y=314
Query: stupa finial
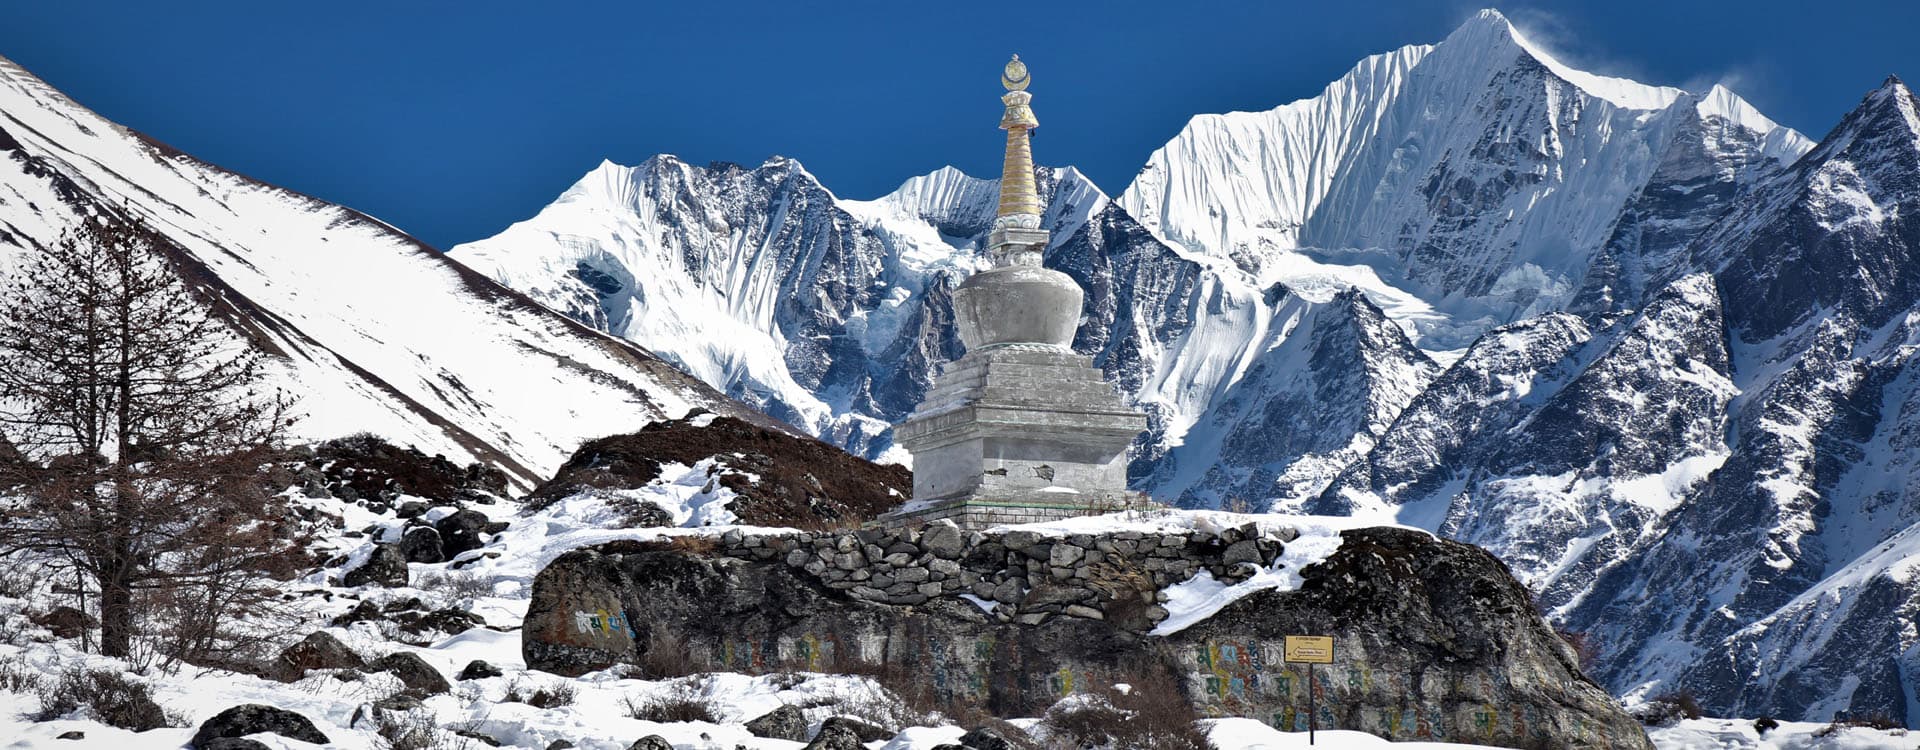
x=1019, y=197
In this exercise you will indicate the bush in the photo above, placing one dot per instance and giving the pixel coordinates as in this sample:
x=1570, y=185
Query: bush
x=414, y=730
x=455, y=587
x=545, y=696
x=1152, y=714
x=17, y=676
x=666, y=657
x=1847, y=720
x=109, y=696
x=684, y=700
x=1667, y=709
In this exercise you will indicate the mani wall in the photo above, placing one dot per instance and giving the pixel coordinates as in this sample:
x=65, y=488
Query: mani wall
x=1434, y=639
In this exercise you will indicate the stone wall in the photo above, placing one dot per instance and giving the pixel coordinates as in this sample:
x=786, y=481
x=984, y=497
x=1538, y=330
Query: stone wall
x=1434, y=639
x=1021, y=576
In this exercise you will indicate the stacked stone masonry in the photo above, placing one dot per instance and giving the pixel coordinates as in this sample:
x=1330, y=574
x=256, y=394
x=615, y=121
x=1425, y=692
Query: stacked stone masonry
x=1024, y=577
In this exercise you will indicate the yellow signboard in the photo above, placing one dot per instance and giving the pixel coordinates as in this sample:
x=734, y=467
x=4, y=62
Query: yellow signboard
x=1310, y=649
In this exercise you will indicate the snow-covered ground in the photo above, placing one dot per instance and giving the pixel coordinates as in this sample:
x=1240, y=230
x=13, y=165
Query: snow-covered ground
x=495, y=581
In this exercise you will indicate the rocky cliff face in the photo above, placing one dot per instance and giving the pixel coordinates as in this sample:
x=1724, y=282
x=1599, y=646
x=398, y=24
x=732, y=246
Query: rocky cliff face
x=1434, y=639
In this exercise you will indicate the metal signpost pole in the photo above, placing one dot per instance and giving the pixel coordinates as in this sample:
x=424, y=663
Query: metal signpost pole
x=1313, y=713
x=1311, y=650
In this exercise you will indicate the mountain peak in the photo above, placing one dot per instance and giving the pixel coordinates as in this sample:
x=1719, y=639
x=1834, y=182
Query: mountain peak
x=1890, y=105
x=1489, y=32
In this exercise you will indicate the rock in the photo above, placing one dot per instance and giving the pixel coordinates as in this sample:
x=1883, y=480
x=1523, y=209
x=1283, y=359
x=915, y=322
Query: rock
x=253, y=718
x=414, y=672
x=943, y=540
x=72, y=735
x=653, y=742
x=422, y=544
x=386, y=567
x=318, y=650
x=1405, y=607
x=65, y=622
x=234, y=743
x=783, y=723
x=560, y=745
x=860, y=729
x=1021, y=541
x=835, y=737
x=1047, y=594
x=986, y=738
x=461, y=531
x=411, y=509
x=1243, y=551
x=478, y=670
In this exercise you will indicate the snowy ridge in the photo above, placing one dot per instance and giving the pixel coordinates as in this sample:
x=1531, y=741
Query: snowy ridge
x=371, y=329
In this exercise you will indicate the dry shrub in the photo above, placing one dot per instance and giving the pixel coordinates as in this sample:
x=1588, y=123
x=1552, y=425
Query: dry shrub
x=455, y=587
x=415, y=730
x=18, y=676
x=1153, y=714
x=111, y=698
x=666, y=656
x=1869, y=720
x=544, y=696
x=688, y=699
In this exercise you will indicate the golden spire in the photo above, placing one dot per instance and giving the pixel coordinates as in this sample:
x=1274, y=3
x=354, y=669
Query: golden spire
x=1018, y=196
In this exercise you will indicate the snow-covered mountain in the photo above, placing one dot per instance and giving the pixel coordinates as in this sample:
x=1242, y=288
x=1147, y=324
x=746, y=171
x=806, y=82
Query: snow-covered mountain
x=1718, y=487
x=1479, y=175
x=829, y=313
x=370, y=330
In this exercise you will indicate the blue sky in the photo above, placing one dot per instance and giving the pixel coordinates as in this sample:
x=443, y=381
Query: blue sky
x=453, y=119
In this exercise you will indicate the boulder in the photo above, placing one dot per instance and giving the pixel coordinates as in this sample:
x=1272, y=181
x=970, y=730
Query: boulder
x=234, y=743
x=72, y=735
x=835, y=737
x=461, y=531
x=783, y=723
x=387, y=566
x=651, y=742
x=253, y=718
x=422, y=544
x=864, y=731
x=318, y=650
x=478, y=670
x=1434, y=639
x=414, y=672
x=987, y=738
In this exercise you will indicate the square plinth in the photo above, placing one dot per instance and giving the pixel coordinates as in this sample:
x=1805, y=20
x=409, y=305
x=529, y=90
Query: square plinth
x=1021, y=427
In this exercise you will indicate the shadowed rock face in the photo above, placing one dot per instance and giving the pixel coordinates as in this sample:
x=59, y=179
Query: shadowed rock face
x=1434, y=639
x=780, y=479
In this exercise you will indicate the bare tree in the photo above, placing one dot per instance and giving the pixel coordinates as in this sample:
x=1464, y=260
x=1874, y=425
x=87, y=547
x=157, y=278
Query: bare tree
x=144, y=422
